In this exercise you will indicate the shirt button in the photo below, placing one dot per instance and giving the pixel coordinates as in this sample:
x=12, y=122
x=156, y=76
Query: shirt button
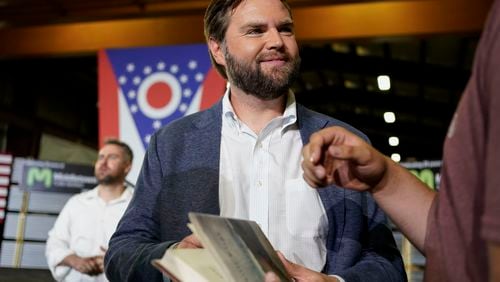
x=259, y=183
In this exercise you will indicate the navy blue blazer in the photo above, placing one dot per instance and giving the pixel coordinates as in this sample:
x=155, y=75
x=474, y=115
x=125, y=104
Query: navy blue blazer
x=180, y=174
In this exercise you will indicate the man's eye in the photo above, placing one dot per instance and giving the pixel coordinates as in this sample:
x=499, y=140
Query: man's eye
x=254, y=31
x=286, y=30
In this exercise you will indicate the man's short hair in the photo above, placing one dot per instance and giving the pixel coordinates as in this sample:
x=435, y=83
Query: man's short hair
x=126, y=149
x=216, y=22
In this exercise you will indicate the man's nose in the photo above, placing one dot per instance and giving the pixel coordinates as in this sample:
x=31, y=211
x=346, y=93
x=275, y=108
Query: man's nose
x=103, y=161
x=274, y=39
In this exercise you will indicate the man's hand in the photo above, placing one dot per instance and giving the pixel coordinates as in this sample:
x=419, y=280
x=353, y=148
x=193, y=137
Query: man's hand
x=92, y=266
x=190, y=242
x=299, y=273
x=335, y=155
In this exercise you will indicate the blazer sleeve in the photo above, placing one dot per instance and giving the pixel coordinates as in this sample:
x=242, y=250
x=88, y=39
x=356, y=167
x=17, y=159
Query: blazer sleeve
x=379, y=257
x=137, y=239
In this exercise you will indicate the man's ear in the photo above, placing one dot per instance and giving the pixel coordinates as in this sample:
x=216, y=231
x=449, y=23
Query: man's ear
x=217, y=51
x=128, y=168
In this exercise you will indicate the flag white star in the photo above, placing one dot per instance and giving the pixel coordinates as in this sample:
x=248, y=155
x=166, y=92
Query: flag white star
x=131, y=94
x=199, y=77
x=122, y=79
x=187, y=93
x=130, y=67
x=174, y=69
x=137, y=80
x=133, y=109
x=156, y=124
x=147, y=70
x=192, y=65
x=147, y=138
x=184, y=78
x=160, y=66
x=183, y=107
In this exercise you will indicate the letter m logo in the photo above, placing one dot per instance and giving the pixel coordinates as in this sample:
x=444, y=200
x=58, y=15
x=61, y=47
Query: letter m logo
x=36, y=174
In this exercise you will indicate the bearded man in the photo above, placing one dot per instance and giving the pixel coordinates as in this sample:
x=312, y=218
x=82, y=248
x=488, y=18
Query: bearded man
x=242, y=159
x=79, y=239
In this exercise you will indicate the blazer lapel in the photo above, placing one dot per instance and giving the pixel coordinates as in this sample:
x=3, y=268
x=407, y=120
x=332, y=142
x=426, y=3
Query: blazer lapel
x=204, y=139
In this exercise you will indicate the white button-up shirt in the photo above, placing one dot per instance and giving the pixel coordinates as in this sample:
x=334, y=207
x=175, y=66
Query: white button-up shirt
x=261, y=180
x=84, y=225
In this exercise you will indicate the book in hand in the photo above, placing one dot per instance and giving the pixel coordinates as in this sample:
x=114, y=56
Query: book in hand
x=234, y=250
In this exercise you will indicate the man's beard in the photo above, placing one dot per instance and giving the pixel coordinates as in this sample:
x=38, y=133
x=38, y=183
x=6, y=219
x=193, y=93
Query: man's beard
x=109, y=179
x=252, y=80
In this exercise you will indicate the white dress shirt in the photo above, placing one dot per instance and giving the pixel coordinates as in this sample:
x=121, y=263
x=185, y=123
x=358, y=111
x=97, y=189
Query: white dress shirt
x=84, y=225
x=261, y=180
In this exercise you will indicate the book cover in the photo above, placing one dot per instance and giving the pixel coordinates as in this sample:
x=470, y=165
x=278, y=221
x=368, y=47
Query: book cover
x=234, y=250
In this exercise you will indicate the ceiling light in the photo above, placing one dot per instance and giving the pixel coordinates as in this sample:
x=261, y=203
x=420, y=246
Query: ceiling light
x=396, y=157
x=389, y=117
x=393, y=141
x=341, y=47
x=384, y=82
x=362, y=51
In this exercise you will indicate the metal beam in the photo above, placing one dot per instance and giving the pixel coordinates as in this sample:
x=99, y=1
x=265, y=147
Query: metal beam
x=318, y=23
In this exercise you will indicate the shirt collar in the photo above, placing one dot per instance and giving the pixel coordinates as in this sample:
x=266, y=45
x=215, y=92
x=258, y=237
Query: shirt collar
x=94, y=194
x=289, y=116
x=228, y=113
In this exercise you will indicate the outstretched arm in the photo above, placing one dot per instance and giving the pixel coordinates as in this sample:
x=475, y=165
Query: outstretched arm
x=337, y=156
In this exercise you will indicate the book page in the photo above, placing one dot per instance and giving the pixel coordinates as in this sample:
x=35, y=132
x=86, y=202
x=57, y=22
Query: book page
x=260, y=247
x=239, y=247
x=189, y=265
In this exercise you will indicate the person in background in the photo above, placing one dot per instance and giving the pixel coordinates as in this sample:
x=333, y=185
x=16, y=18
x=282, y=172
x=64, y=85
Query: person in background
x=77, y=242
x=241, y=159
x=457, y=228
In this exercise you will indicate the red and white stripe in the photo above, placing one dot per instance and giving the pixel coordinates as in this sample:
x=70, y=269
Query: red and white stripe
x=5, y=172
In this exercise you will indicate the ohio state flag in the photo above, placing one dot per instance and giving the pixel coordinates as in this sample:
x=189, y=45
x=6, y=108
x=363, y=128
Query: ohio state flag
x=142, y=89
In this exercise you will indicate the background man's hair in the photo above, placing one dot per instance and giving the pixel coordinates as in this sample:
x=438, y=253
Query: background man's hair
x=128, y=152
x=216, y=22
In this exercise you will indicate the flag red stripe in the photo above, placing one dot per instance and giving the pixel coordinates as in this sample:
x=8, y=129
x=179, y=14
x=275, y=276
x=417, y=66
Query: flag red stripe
x=213, y=89
x=108, y=99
